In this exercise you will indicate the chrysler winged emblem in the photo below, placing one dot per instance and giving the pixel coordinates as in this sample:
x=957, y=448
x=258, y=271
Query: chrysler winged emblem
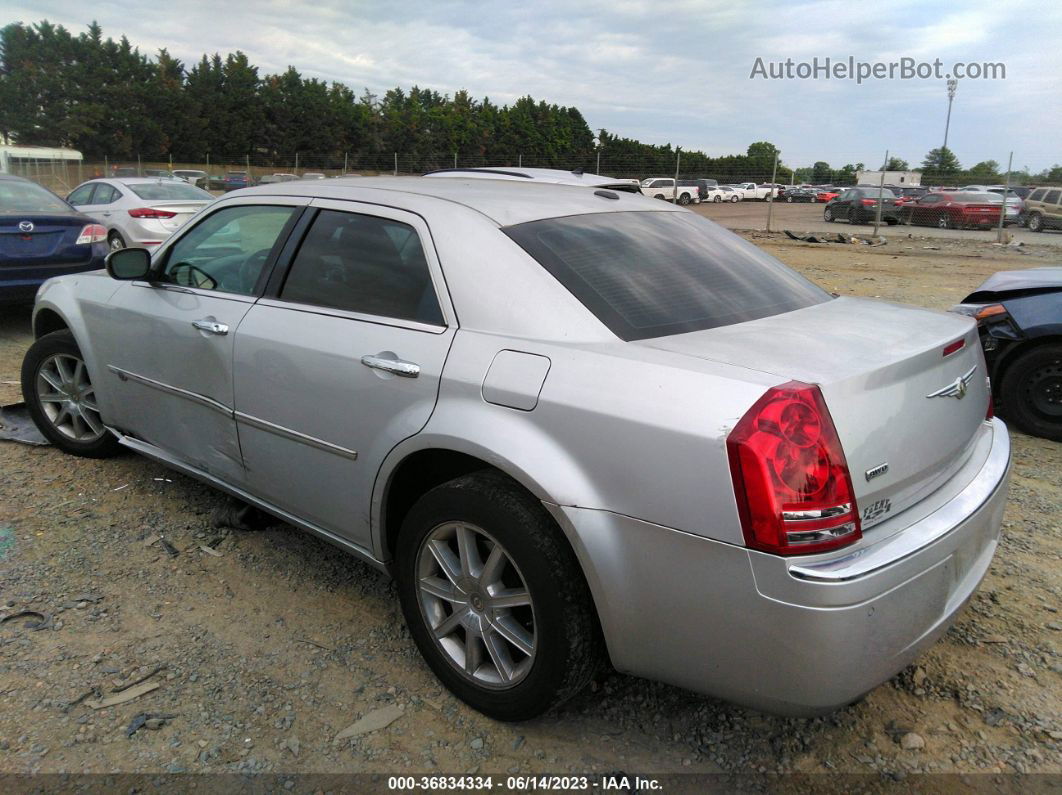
x=25, y=227
x=958, y=388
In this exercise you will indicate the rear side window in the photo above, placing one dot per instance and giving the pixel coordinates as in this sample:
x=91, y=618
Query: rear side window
x=1052, y=197
x=105, y=194
x=652, y=274
x=364, y=264
x=175, y=191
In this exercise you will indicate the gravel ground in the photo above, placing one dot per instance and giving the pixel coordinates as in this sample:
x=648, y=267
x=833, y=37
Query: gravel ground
x=261, y=650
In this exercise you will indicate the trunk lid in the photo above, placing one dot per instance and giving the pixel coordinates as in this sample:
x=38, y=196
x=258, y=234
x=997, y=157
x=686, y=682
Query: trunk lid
x=185, y=210
x=48, y=237
x=877, y=365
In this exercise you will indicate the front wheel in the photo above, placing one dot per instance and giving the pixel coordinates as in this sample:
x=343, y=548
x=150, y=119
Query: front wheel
x=735, y=198
x=827, y=215
x=789, y=199
x=115, y=241
x=494, y=597
x=943, y=222
x=1036, y=223
x=1032, y=392
x=717, y=198
x=61, y=398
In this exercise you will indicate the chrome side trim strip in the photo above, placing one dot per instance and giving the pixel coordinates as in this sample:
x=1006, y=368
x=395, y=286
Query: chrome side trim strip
x=948, y=517
x=202, y=400
x=156, y=454
x=295, y=436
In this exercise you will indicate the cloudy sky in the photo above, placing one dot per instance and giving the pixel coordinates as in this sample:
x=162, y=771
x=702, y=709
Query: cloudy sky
x=673, y=71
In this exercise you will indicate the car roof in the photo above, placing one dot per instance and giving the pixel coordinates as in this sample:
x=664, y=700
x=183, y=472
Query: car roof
x=505, y=202
x=553, y=175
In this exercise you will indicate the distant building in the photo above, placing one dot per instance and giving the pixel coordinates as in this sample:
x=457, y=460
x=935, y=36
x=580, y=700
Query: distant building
x=905, y=178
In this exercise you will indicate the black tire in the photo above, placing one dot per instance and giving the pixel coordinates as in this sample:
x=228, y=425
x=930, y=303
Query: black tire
x=735, y=198
x=943, y=222
x=855, y=216
x=684, y=199
x=789, y=199
x=827, y=215
x=659, y=196
x=115, y=241
x=58, y=343
x=717, y=198
x=1035, y=222
x=1031, y=391
x=567, y=638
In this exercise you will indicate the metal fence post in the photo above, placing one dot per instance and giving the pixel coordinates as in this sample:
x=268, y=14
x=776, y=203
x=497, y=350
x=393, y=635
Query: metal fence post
x=1006, y=190
x=678, y=159
x=881, y=195
x=455, y=159
x=396, y=164
x=345, y=163
x=519, y=161
x=771, y=196
x=139, y=170
x=296, y=169
x=106, y=167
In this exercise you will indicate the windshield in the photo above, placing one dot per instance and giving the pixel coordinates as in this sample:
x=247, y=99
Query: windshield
x=175, y=191
x=28, y=197
x=652, y=274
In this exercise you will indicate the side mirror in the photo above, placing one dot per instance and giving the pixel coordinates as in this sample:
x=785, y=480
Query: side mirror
x=129, y=263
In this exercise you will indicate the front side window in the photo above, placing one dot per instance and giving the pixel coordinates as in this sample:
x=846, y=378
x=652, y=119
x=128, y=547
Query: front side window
x=228, y=249
x=364, y=264
x=652, y=274
x=1038, y=194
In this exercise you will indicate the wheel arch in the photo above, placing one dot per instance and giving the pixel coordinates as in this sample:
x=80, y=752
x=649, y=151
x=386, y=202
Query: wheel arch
x=1019, y=349
x=46, y=320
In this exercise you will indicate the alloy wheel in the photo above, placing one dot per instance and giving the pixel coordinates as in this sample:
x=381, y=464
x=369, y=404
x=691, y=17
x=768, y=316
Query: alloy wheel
x=1043, y=390
x=68, y=398
x=115, y=241
x=476, y=605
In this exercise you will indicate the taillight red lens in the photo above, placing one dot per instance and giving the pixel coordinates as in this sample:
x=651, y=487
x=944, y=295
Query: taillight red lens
x=868, y=202
x=150, y=212
x=93, y=233
x=791, y=480
x=991, y=405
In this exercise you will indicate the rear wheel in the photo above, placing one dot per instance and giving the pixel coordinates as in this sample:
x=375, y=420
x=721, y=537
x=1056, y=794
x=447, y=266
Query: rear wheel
x=943, y=222
x=735, y=198
x=684, y=199
x=827, y=215
x=717, y=198
x=61, y=398
x=494, y=597
x=1036, y=222
x=1032, y=392
x=115, y=241
x=789, y=199
x=659, y=196
x=854, y=216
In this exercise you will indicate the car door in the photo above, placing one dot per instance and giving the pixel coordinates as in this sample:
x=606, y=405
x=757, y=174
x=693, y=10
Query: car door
x=921, y=210
x=842, y=205
x=167, y=343
x=340, y=362
x=101, y=205
x=81, y=196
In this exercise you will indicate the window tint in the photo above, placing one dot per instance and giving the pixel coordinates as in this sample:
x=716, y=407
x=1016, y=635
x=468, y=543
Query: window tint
x=17, y=196
x=1051, y=197
x=361, y=263
x=650, y=274
x=227, y=250
x=1038, y=194
x=81, y=195
x=174, y=191
x=105, y=194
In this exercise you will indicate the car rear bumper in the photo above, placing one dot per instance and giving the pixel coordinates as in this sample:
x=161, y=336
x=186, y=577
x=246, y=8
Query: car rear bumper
x=796, y=636
x=19, y=284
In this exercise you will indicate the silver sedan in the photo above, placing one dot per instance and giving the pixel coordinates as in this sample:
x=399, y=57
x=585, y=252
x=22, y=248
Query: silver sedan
x=139, y=211
x=577, y=426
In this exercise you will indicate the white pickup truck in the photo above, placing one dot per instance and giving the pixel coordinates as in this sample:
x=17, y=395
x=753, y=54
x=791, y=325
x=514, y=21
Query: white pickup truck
x=664, y=188
x=750, y=190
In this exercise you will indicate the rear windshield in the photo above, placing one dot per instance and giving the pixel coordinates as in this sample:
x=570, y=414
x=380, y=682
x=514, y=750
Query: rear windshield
x=652, y=274
x=163, y=191
x=28, y=197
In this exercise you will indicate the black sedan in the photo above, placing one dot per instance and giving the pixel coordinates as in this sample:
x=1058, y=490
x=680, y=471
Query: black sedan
x=1019, y=316
x=860, y=205
x=792, y=195
x=42, y=236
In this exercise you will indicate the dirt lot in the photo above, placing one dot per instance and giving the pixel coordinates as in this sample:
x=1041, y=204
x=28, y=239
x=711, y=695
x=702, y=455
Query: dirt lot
x=265, y=652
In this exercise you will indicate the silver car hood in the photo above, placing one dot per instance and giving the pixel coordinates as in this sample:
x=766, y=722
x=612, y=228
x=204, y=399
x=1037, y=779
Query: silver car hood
x=877, y=364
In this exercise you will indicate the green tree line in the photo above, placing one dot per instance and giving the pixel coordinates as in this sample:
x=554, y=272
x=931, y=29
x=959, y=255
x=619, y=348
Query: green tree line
x=107, y=99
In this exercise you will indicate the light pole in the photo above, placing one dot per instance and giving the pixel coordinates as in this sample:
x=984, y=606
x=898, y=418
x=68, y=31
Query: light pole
x=952, y=85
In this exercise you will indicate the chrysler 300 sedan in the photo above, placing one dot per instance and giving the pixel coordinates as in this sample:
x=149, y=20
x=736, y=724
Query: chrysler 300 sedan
x=576, y=426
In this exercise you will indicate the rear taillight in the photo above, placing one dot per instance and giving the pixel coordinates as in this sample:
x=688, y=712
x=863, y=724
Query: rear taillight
x=791, y=480
x=150, y=212
x=991, y=405
x=93, y=233
x=868, y=202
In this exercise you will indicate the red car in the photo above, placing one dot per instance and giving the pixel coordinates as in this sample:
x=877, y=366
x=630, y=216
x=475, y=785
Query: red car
x=960, y=210
x=827, y=195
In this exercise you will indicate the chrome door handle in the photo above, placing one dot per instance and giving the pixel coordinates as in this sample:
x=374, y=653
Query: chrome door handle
x=389, y=365
x=211, y=327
